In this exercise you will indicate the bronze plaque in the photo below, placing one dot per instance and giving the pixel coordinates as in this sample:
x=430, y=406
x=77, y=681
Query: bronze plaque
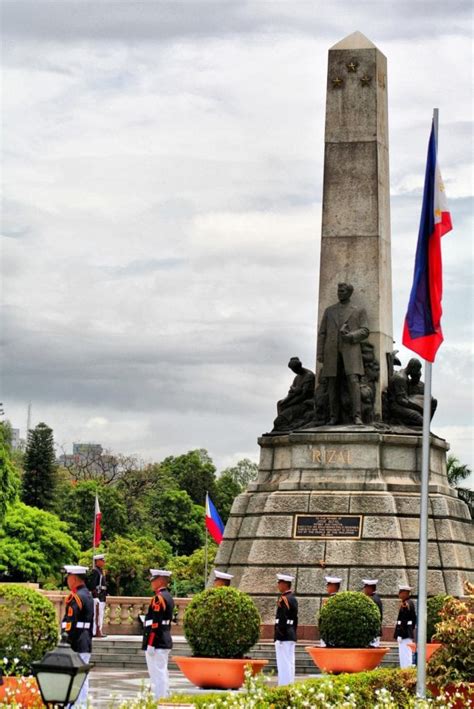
x=327, y=527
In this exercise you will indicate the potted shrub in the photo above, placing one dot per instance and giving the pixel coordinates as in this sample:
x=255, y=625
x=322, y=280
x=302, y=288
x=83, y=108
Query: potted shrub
x=348, y=622
x=220, y=625
x=451, y=669
x=28, y=629
x=433, y=610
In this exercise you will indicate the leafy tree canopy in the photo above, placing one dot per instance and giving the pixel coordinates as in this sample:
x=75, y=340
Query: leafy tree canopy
x=177, y=519
x=34, y=544
x=9, y=480
x=128, y=562
x=75, y=504
x=243, y=472
x=194, y=472
x=226, y=490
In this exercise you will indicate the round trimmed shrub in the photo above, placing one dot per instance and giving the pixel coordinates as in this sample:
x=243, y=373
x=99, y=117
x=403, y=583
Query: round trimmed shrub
x=28, y=627
x=221, y=622
x=349, y=619
x=433, y=609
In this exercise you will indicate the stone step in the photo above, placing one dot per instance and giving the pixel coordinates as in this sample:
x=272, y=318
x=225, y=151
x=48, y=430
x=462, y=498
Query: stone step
x=123, y=654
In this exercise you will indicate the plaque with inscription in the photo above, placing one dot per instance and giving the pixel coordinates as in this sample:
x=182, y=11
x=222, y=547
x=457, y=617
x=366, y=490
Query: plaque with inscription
x=327, y=527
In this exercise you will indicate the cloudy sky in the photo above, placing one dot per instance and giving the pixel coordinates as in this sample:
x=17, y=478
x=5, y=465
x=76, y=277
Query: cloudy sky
x=162, y=178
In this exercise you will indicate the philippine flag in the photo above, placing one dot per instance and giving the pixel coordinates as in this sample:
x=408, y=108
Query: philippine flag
x=213, y=521
x=97, y=519
x=422, y=330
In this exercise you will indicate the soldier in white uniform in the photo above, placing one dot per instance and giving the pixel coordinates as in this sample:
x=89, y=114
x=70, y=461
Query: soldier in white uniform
x=286, y=625
x=333, y=586
x=370, y=590
x=157, y=641
x=98, y=587
x=221, y=579
x=405, y=626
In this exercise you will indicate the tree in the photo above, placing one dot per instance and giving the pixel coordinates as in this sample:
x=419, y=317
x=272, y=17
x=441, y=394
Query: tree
x=134, y=488
x=177, y=519
x=9, y=481
x=91, y=462
x=39, y=478
x=128, y=562
x=227, y=490
x=188, y=571
x=34, y=544
x=456, y=472
x=194, y=472
x=75, y=504
x=243, y=472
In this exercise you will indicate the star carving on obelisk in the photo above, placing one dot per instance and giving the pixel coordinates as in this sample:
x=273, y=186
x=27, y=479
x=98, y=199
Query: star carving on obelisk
x=352, y=66
x=337, y=82
x=365, y=80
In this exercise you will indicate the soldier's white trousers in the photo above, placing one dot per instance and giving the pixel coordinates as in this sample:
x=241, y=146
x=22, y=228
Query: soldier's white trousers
x=81, y=701
x=404, y=652
x=375, y=642
x=285, y=657
x=99, y=610
x=157, y=663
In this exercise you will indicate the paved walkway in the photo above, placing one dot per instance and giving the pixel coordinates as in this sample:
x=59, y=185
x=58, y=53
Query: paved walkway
x=110, y=687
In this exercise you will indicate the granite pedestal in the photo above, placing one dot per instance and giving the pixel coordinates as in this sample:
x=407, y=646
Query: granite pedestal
x=361, y=474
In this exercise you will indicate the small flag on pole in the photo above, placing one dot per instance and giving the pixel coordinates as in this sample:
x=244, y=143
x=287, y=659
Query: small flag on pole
x=422, y=330
x=214, y=523
x=97, y=519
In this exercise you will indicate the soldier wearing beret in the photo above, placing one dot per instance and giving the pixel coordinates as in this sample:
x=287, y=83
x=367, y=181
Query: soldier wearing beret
x=286, y=626
x=78, y=619
x=157, y=641
x=405, y=626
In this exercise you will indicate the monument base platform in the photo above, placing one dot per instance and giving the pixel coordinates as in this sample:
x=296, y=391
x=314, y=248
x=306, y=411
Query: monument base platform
x=345, y=503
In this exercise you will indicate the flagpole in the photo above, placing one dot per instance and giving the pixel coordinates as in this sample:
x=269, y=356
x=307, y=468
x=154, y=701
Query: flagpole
x=425, y=474
x=205, y=549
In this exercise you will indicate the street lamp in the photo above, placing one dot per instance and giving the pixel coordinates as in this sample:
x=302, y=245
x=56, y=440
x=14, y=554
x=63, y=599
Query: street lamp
x=60, y=674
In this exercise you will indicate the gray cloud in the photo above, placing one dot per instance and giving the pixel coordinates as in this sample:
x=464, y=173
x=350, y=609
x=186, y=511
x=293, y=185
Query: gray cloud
x=163, y=173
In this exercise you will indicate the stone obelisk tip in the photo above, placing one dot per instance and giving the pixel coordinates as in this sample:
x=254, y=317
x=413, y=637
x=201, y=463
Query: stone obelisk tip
x=356, y=40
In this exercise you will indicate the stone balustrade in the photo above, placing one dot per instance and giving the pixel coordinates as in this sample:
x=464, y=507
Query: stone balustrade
x=121, y=612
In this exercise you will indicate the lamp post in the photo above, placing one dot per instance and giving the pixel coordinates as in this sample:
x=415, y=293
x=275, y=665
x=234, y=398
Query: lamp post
x=60, y=675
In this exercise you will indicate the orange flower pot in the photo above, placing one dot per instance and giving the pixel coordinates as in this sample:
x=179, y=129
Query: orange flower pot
x=430, y=648
x=217, y=673
x=335, y=660
x=22, y=691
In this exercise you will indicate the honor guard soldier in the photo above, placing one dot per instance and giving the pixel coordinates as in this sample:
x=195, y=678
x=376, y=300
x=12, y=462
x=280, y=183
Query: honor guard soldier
x=333, y=586
x=286, y=625
x=78, y=619
x=221, y=579
x=370, y=590
x=405, y=627
x=98, y=588
x=157, y=641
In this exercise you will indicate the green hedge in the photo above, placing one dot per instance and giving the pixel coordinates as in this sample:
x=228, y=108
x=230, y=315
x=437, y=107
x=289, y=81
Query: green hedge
x=349, y=619
x=363, y=685
x=28, y=627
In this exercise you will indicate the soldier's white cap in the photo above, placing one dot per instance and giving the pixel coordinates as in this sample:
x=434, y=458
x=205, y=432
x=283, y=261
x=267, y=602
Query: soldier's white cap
x=332, y=579
x=222, y=575
x=159, y=572
x=76, y=570
x=285, y=577
x=370, y=582
x=98, y=557
x=404, y=587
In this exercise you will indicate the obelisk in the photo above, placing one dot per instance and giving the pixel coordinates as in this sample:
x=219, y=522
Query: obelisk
x=355, y=243
x=339, y=499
